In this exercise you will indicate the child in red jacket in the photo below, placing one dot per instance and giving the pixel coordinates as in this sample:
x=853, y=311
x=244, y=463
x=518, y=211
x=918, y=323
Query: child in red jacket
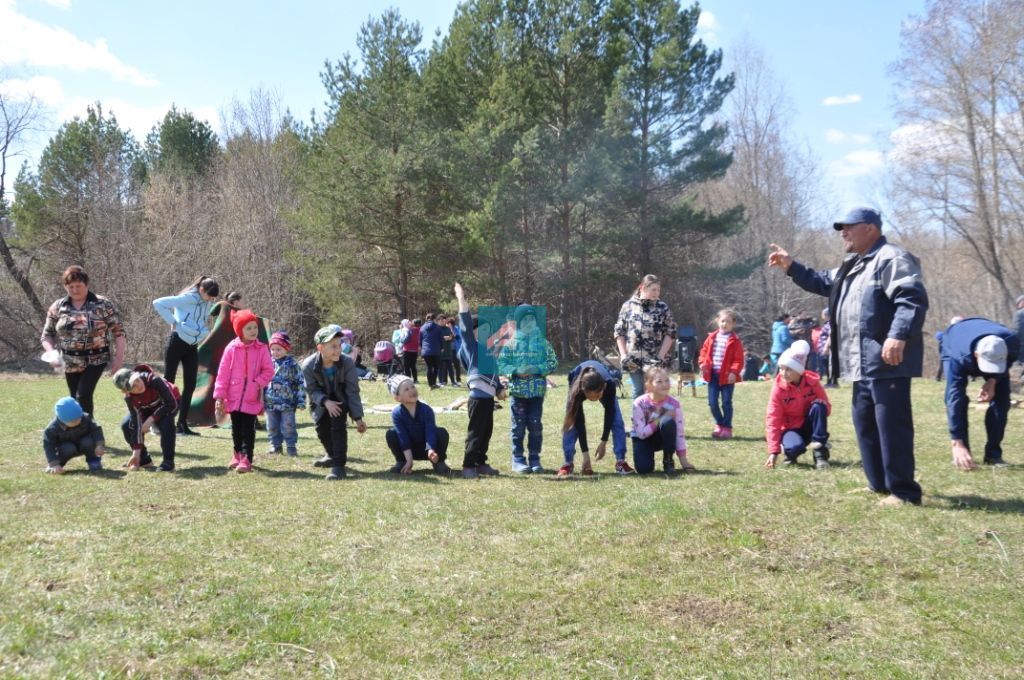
x=721, y=366
x=798, y=411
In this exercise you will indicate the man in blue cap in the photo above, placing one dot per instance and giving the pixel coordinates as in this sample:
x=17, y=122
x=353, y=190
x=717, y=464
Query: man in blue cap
x=878, y=303
x=973, y=348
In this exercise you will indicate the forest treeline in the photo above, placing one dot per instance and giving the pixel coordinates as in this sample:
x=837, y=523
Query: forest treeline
x=550, y=151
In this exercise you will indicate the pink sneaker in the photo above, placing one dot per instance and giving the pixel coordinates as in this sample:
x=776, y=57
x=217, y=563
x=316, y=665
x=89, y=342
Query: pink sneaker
x=244, y=465
x=717, y=432
x=726, y=433
x=236, y=458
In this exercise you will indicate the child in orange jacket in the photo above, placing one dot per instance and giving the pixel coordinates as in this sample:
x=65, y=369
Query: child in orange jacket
x=798, y=411
x=721, y=366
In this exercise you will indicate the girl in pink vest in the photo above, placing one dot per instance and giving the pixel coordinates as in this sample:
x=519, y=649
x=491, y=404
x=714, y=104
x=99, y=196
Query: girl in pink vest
x=245, y=369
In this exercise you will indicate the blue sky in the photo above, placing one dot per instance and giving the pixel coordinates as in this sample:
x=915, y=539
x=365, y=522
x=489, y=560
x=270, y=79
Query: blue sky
x=138, y=58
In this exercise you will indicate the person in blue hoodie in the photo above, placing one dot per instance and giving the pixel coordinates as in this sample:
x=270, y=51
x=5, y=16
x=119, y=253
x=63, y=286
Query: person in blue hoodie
x=781, y=338
x=978, y=348
x=484, y=387
x=186, y=313
x=432, y=337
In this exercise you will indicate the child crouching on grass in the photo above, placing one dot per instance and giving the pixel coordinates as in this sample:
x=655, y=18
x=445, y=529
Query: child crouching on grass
x=798, y=411
x=245, y=369
x=658, y=425
x=72, y=433
x=333, y=388
x=285, y=394
x=414, y=435
x=152, y=401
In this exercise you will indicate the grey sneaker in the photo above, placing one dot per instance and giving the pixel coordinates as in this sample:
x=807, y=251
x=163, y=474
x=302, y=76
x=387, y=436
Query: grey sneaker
x=996, y=462
x=486, y=469
x=822, y=452
x=470, y=473
x=537, y=469
x=442, y=468
x=326, y=461
x=337, y=472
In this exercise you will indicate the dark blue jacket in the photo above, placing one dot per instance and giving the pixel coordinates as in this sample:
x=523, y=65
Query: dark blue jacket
x=959, y=363
x=415, y=432
x=893, y=306
x=432, y=338
x=57, y=433
x=608, y=399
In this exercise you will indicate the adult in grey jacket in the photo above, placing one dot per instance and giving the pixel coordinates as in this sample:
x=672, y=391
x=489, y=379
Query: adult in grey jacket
x=878, y=304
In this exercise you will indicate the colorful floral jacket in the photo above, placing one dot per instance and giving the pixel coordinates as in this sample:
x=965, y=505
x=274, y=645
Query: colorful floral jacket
x=287, y=389
x=644, y=324
x=82, y=334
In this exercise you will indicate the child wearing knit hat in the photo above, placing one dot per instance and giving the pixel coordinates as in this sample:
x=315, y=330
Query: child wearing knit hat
x=72, y=433
x=414, y=434
x=798, y=411
x=285, y=394
x=245, y=369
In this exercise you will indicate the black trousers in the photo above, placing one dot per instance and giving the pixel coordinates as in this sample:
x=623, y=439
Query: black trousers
x=333, y=434
x=243, y=432
x=418, y=452
x=82, y=385
x=409, y=365
x=478, y=435
x=168, y=437
x=433, y=363
x=179, y=351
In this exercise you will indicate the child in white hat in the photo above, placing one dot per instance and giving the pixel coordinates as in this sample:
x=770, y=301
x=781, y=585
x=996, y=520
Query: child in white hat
x=798, y=411
x=414, y=435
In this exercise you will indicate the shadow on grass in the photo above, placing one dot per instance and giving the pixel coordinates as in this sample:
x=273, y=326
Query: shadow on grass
x=422, y=476
x=1009, y=506
x=291, y=474
x=203, y=472
x=105, y=473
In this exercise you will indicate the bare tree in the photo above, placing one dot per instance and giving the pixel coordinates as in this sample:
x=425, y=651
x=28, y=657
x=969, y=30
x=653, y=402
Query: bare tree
x=958, y=165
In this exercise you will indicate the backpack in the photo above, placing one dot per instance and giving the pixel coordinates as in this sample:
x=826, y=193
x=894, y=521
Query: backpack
x=383, y=351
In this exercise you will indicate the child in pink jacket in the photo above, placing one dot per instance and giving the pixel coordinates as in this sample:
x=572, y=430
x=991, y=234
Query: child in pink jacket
x=798, y=411
x=658, y=425
x=245, y=369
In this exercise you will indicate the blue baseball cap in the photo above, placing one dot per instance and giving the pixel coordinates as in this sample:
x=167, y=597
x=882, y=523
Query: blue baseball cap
x=861, y=215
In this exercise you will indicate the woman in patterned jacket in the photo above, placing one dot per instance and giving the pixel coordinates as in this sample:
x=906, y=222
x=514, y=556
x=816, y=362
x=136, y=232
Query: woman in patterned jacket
x=644, y=332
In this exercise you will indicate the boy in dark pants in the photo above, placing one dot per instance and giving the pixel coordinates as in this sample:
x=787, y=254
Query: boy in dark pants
x=333, y=388
x=482, y=391
x=72, y=433
x=415, y=434
x=151, y=401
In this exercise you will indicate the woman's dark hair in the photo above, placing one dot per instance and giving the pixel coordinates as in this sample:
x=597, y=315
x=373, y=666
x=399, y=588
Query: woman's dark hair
x=783, y=317
x=589, y=380
x=204, y=283
x=233, y=297
x=74, y=273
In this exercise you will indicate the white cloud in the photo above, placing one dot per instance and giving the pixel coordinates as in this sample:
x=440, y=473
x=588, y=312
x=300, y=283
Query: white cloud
x=26, y=41
x=46, y=89
x=857, y=163
x=59, y=4
x=841, y=101
x=708, y=27
x=834, y=136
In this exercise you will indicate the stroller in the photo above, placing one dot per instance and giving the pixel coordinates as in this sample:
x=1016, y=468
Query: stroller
x=686, y=355
x=386, y=357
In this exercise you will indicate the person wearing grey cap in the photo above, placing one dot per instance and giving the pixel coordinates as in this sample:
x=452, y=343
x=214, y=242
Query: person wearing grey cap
x=878, y=304
x=972, y=348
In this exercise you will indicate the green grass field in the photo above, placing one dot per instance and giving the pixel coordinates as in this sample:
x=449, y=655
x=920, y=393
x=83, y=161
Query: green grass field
x=736, y=571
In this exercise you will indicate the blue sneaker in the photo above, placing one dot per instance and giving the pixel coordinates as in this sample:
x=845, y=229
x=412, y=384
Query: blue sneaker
x=95, y=465
x=537, y=469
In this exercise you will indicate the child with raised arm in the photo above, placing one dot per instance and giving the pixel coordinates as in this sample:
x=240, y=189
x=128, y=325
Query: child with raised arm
x=333, y=388
x=72, y=433
x=658, y=425
x=245, y=369
x=414, y=434
x=484, y=387
x=798, y=411
x=593, y=381
x=721, y=365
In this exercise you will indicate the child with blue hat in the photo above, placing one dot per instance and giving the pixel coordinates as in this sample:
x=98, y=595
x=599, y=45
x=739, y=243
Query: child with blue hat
x=72, y=433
